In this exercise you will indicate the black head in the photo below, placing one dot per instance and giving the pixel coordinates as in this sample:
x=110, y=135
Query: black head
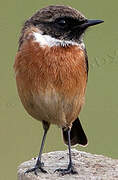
x=60, y=22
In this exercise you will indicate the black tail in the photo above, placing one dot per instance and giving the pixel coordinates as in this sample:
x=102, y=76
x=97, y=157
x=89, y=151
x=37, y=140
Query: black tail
x=77, y=135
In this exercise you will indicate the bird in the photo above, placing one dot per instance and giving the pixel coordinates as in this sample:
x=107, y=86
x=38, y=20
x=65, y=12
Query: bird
x=51, y=71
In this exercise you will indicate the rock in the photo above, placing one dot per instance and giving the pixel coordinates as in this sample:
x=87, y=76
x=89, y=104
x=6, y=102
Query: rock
x=88, y=166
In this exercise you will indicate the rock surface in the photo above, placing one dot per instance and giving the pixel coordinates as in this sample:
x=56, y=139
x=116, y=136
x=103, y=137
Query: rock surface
x=88, y=166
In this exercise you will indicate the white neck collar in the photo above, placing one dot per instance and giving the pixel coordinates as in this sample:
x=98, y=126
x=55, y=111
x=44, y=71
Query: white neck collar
x=46, y=40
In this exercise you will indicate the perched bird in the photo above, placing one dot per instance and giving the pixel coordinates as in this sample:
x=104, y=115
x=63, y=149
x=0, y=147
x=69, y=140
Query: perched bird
x=51, y=68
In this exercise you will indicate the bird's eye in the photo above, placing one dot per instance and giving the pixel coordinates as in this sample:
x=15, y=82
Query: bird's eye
x=61, y=23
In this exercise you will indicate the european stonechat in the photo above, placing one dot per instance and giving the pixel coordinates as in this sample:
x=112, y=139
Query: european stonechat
x=51, y=68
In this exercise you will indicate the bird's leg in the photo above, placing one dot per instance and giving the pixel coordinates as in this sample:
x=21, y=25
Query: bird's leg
x=70, y=168
x=39, y=165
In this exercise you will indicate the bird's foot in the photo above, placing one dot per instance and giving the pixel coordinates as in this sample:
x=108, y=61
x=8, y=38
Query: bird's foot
x=69, y=170
x=36, y=169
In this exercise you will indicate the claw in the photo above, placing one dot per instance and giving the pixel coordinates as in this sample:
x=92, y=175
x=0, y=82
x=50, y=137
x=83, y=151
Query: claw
x=69, y=170
x=36, y=169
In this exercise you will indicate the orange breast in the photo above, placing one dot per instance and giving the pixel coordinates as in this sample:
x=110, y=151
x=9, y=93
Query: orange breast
x=51, y=81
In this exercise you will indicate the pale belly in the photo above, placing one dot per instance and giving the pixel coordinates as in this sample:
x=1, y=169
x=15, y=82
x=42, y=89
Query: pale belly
x=52, y=107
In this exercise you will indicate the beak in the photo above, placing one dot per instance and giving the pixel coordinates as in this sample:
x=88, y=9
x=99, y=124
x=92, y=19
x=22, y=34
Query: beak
x=90, y=22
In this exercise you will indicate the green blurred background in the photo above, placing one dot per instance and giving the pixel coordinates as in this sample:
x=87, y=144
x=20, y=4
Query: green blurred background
x=20, y=135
